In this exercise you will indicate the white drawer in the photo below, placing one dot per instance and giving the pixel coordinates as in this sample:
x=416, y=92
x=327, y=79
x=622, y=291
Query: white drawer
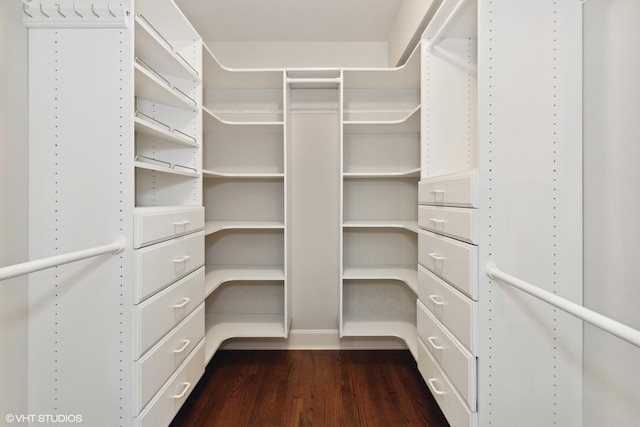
x=165, y=405
x=455, y=360
x=160, y=313
x=451, y=403
x=449, y=190
x=453, y=309
x=163, y=263
x=152, y=370
x=154, y=224
x=460, y=223
x=453, y=260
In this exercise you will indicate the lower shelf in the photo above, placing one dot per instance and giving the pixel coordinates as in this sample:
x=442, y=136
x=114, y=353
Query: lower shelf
x=220, y=327
x=407, y=274
x=216, y=275
x=399, y=325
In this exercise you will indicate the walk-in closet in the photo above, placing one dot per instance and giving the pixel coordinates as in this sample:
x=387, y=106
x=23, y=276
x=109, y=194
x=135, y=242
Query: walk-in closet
x=452, y=179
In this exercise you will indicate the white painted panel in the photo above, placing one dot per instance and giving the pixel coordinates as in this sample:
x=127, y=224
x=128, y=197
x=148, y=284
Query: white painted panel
x=314, y=210
x=14, y=198
x=611, y=202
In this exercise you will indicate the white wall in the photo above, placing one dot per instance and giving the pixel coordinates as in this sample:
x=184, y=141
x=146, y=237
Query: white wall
x=408, y=26
x=300, y=54
x=612, y=203
x=13, y=208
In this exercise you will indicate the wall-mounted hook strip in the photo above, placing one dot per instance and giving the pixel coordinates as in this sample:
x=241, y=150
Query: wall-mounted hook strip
x=42, y=11
x=110, y=11
x=60, y=12
x=75, y=10
x=24, y=9
x=94, y=11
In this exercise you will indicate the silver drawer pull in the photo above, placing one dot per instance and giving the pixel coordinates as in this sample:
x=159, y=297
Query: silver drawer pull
x=181, y=259
x=436, y=257
x=436, y=220
x=183, y=348
x=435, y=300
x=183, y=392
x=436, y=191
x=431, y=382
x=432, y=341
x=184, y=302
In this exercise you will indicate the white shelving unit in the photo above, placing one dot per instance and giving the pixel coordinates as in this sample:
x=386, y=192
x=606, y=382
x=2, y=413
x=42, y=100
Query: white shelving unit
x=119, y=88
x=380, y=151
x=245, y=201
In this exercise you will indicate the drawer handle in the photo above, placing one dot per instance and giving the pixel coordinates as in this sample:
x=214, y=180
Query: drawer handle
x=431, y=382
x=181, y=259
x=183, y=348
x=184, y=302
x=181, y=223
x=432, y=341
x=436, y=220
x=435, y=300
x=436, y=257
x=183, y=392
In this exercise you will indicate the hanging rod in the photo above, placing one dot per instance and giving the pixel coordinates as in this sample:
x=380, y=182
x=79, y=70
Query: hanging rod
x=54, y=261
x=605, y=323
x=452, y=15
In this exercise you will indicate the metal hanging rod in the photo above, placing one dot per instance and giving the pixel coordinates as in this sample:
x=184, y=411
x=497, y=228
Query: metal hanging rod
x=605, y=323
x=32, y=266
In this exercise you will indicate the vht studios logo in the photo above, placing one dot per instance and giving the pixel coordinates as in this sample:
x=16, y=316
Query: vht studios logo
x=43, y=418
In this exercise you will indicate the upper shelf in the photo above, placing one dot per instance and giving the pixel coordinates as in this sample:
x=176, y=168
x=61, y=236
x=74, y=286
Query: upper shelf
x=150, y=86
x=159, y=53
x=217, y=76
x=151, y=127
x=406, y=76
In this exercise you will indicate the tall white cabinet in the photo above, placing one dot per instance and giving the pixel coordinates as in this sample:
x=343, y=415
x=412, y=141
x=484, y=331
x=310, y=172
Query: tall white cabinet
x=115, y=152
x=501, y=183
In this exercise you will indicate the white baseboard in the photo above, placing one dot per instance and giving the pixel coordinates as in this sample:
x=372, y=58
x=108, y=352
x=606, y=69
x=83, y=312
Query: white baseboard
x=315, y=340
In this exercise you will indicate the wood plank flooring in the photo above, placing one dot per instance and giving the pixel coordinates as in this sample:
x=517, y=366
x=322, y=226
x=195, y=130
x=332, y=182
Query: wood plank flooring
x=294, y=388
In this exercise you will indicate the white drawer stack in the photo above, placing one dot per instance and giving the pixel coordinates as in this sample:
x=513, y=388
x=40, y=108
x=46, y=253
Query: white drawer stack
x=169, y=309
x=448, y=292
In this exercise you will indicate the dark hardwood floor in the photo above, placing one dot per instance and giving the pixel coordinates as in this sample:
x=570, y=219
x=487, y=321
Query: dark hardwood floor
x=293, y=388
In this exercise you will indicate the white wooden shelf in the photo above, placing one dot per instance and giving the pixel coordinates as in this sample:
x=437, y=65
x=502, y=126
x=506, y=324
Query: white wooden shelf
x=399, y=325
x=148, y=127
x=407, y=121
x=215, y=226
x=215, y=123
x=151, y=46
x=403, y=273
x=151, y=87
x=406, y=76
x=407, y=225
x=409, y=173
x=165, y=169
x=216, y=275
x=218, y=76
x=241, y=175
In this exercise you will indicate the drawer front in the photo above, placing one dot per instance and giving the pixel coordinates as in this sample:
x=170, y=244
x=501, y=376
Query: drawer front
x=165, y=405
x=160, y=313
x=163, y=263
x=152, y=370
x=454, y=261
x=454, y=359
x=153, y=225
x=452, y=405
x=449, y=190
x=459, y=223
x=452, y=308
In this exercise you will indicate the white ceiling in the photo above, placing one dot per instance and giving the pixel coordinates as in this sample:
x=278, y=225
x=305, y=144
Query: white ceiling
x=291, y=20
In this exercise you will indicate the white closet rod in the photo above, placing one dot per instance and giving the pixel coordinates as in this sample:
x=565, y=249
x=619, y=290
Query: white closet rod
x=41, y=264
x=436, y=37
x=603, y=322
